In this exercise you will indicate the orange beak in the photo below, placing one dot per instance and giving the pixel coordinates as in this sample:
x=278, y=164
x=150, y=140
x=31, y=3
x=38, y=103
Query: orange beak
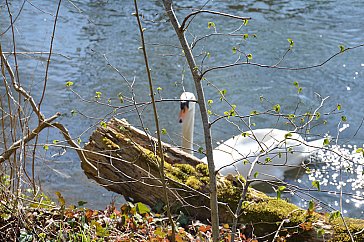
x=182, y=114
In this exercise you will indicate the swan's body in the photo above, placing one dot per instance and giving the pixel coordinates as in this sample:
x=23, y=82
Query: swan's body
x=272, y=151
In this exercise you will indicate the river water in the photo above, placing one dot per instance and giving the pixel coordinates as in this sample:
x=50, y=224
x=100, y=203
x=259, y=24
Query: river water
x=92, y=34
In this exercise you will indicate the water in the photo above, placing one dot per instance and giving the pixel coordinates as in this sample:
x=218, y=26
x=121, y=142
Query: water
x=94, y=33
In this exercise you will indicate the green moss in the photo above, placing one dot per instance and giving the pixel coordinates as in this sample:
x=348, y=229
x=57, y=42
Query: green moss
x=273, y=210
x=193, y=182
x=203, y=169
x=110, y=144
x=149, y=155
x=228, y=193
x=187, y=174
x=205, y=179
x=186, y=168
x=181, y=176
x=173, y=177
x=341, y=233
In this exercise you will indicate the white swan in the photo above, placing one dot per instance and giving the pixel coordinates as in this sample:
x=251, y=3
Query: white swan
x=272, y=151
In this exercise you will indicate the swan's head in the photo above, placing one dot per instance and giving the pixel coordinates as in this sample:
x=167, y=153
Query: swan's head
x=187, y=106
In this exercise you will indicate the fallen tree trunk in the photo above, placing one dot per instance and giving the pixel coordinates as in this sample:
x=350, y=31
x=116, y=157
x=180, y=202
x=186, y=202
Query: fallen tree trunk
x=126, y=163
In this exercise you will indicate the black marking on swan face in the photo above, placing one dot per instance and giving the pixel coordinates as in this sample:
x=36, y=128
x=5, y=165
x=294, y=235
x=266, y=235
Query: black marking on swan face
x=185, y=104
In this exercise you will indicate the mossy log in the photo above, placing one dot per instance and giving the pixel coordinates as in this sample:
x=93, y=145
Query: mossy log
x=123, y=159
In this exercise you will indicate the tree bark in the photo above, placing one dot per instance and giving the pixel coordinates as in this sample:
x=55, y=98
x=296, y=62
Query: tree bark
x=204, y=116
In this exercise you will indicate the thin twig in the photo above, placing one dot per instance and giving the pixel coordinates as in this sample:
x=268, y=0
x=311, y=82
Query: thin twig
x=16, y=145
x=182, y=28
x=156, y=120
x=49, y=55
x=204, y=116
x=20, y=89
x=12, y=22
x=281, y=67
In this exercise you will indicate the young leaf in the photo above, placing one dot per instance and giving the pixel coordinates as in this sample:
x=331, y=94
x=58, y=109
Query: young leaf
x=81, y=203
x=326, y=141
x=73, y=112
x=55, y=141
x=342, y=48
x=249, y=56
x=60, y=198
x=222, y=94
x=98, y=95
x=318, y=115
x=245, y=36
x=245, y=21
x=281, y=188
x=69, y=83
x=344, y=118
x=45, y=147
x=159, y=89
x=338, y=107
x=164, y=131
x=291, y=43
x=211, y=25
x=316, y=184
x=103, y=124
x=245, y=134
x=277, y=108
x=289, y=134
x=120, y=96
x=279, y=191
x=335, y=215
x=234, y=49
x=200, y=150
x=311, y=206
x=142, y=208
x=360, y=150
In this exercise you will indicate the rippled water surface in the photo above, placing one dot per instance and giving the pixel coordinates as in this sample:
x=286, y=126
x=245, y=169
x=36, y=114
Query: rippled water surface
x=92, y=33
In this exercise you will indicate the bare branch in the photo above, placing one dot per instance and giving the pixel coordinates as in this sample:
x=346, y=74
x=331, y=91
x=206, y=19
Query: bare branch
x=72, y=143
x=19, y=88
x=49, y=55
x=156, y=120
x=281, y=67
x=204, y=116
x=182, y=28
x=16, y=145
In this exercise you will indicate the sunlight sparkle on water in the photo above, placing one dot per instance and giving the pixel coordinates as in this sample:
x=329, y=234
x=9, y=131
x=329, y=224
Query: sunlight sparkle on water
x=342, y=168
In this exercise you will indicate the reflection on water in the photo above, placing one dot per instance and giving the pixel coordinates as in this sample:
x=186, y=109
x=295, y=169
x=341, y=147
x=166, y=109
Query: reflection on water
x=98, y=32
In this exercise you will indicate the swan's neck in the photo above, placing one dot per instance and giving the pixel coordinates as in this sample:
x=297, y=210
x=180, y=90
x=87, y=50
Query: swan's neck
x=187, y=131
